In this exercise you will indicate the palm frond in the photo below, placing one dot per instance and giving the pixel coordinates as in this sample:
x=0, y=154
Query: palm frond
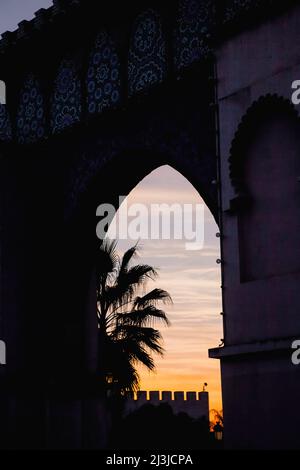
x=152, y=298
x=127, y=284
x=144, y=317
x=152, y=339
x=147, y=336
x=120, y=366
x=127, y=258
x=107, y=259
x=136, y=352
x=137, y=275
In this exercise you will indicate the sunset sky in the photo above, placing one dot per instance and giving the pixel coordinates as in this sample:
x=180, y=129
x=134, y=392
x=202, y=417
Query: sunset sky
x=193, y=280
x=191, y=277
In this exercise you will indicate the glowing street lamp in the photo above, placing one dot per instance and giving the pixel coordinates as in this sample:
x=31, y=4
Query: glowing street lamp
x=218, y=431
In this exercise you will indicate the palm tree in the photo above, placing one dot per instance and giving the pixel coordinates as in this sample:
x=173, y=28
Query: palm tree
x=125, y=320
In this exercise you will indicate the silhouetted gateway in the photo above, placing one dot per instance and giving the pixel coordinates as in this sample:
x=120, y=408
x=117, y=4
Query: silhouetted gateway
x=97, y=96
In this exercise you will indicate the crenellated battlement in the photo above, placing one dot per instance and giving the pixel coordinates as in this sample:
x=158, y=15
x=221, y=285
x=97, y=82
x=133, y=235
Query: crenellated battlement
x=195, y=404
x=166, y=396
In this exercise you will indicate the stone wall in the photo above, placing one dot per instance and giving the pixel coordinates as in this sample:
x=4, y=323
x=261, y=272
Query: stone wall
x=195, y=404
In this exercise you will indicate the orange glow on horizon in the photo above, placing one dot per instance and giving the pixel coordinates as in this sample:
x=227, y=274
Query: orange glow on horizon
x=173, y=383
